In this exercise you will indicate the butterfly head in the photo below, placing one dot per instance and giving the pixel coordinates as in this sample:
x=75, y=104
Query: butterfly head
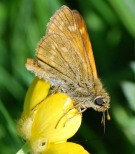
x=101, y=104
x=99, y=98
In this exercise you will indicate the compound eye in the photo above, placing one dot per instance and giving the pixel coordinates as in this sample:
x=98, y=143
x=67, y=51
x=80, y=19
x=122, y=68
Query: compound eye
x=99, y=101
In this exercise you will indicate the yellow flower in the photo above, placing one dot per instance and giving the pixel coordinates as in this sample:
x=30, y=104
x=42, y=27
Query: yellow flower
x=54, y=122
x=65, y=148
x=47, y=121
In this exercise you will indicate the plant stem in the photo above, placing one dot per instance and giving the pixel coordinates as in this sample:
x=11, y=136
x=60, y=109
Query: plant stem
x=25, y=149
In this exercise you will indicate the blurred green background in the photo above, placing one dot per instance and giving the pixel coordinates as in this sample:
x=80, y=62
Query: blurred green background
x=111, y=26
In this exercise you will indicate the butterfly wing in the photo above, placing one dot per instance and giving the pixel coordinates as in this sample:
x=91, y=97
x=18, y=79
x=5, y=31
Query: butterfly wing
x=85, y=37
x=58, y=61
x=70, y=24
x=65, y=53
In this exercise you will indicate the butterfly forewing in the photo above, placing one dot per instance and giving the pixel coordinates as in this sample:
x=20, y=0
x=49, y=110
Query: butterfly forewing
x=86, y=42
x=71, y=25
x=65, y=47
x=64, y=22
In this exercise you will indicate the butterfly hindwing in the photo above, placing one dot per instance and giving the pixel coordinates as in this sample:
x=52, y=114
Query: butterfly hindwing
x=53, y=50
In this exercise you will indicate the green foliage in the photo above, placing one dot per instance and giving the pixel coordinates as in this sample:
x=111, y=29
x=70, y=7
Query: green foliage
x=111, y=25
x=129, y=90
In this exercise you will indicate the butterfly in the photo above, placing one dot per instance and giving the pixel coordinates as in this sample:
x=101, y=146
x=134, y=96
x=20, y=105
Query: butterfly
x=64, y=57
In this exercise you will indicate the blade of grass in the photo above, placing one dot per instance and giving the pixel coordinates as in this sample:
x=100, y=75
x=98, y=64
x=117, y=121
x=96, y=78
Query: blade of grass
x=105, y=11
x=12, y=85
x=24, y=150
x=10, y=124
x=126, y=12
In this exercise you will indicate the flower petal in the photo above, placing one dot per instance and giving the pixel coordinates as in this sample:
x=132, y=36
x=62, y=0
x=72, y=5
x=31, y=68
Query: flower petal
x=36, y=93
x=56, y=119
x=65, y=148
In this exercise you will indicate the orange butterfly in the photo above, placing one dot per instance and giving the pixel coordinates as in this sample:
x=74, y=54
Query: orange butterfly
x=65, y=59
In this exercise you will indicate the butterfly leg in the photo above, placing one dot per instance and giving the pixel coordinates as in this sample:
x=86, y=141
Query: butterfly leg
x=54, y=90
x=63, y=116
x=80, y=107
x=71, y=118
